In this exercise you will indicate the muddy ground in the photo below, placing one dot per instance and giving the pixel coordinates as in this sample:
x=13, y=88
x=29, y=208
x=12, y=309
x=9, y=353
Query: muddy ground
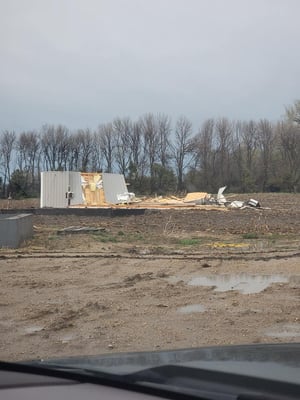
x=163, y=280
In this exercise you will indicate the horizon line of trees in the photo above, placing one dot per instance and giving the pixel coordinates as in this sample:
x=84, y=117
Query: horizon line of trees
x=156, y=156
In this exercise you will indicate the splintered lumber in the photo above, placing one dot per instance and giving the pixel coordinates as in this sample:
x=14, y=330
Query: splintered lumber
x=194, y=196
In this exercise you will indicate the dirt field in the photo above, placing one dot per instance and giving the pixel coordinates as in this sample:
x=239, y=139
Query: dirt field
x=166, y=279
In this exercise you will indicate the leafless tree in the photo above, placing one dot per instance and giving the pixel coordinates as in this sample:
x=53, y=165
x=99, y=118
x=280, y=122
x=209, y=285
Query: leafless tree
x=137, y=168
x=28, y=145
x=136, y=145
x=96, y=159
x=164, y=132
x=74, y=152
x=292, y=112
x=7, y=143
x=123, y=133
x=266, y=142
x=289, y=140
x=182, y=147
x=224, y=131
x=246, y=155
x=250, y=142
x=85, y=142
x=149, y=128
x=241, y=153
x=107, y=141
x=55, y=146
x=202, y=147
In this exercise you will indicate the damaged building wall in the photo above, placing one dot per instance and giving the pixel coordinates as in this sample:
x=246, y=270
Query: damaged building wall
x=55, y=185
x=88, y=189
x=92, y=189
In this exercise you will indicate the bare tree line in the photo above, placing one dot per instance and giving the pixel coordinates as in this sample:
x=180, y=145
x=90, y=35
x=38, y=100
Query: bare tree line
x=157, y=156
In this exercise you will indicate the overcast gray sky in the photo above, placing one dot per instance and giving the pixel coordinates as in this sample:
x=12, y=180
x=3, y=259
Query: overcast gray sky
x=84, y=62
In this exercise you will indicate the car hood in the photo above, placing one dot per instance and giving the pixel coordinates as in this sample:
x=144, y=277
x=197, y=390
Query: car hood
x=270, y=361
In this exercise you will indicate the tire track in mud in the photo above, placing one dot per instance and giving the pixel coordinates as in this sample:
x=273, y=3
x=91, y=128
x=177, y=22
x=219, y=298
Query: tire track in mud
x=273, y=255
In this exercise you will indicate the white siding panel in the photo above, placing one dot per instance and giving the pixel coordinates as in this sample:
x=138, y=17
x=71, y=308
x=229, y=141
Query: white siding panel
x=75, y=187
x=113, y=184
x=54, y=185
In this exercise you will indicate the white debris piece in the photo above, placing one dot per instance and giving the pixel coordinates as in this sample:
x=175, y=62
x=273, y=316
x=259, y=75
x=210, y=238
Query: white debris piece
x=236, y=204
x=253, y=203
x=99, y=184
x=220, y=197
x=125, y=197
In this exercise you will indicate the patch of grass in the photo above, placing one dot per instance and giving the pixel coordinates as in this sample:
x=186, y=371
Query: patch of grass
x=120, y=236
x=130, y=237
x=250, y=235
x=136, y=236
x=273, y=237
x=189, y=242
x=277, y=236
x=104, y=237
x=281, y=237
x=52, y=237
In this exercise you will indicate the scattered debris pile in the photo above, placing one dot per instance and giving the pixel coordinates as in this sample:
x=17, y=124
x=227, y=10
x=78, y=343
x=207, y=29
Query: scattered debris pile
x=62, y=189
x=221, y=200
x=203, y=198
x=195, y=199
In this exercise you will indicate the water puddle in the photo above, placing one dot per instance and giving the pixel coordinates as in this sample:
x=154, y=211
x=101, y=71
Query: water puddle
x=191, y=308
x=33, y=329
x=67, y=338
x=283, y=331
x=244, y=283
